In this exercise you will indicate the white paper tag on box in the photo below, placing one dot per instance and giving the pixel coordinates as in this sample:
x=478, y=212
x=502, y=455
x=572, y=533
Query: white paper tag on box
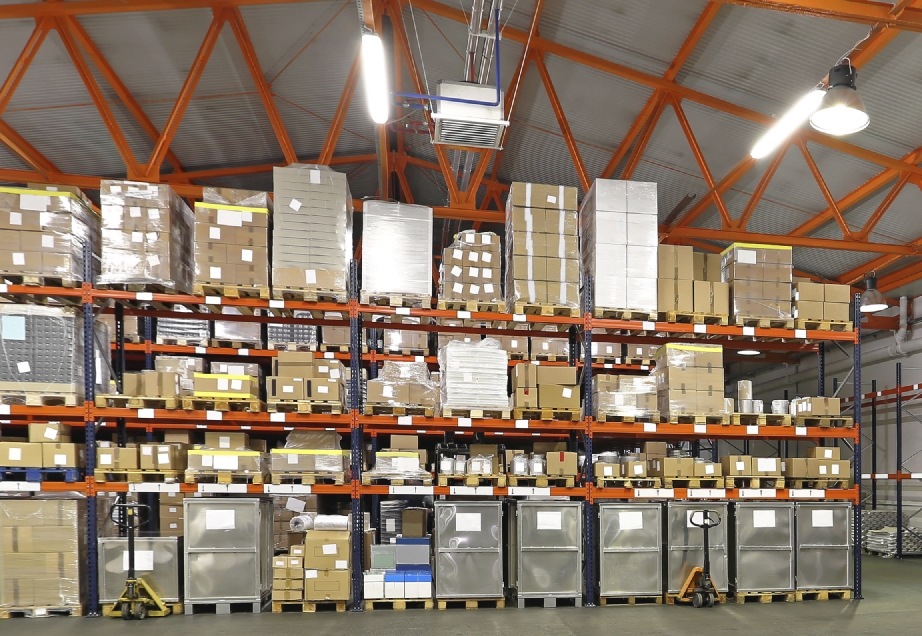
x=310, y=574
x=341, y=564
x=329, y=548
x=163, y=458
x=295, y=505
x=225, y=462
x=15, y=455
x=51, y=433
x=310, y=276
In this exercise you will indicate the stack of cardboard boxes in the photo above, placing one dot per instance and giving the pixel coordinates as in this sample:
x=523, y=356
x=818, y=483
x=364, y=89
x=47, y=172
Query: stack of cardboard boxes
x=409, y=342
x=285, y=508
x=760, y=279
x=397, y=253
x=228, y=452
x=542, y=246
x=816, y=407
x=748, y=466
x=403, y=458
x=299, y=376
x=326, y=560
x=232, y=238
x=821, y=462
x=154, y=384
x=49, y=446
x=172, y=522
x=624, y=396
x=228, y=381
x=690, y=379
x=618, y=241
x=689, y=282
x=403, y=384
x=40, y=545
x=555, y=348
x=470, y=268
x=288, y=575
x=545, y=387
x=312, y=230
x=402, y=569
x=147, y=236
x=43, y=229
x=816, y=301
x=184, y=367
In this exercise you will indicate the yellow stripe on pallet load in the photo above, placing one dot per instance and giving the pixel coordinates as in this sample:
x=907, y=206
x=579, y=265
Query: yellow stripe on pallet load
x=757, y=246
x=308, y=451
x=203, y=451
x=40, y=193
x=685, y=347
x=234, y=208
x=222, y=376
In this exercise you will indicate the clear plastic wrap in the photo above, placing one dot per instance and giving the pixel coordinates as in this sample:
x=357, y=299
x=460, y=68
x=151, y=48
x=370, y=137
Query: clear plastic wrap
x=41, y=552
x=404, y=340
x=470, y=268
x=445, y=338
x=480, y=465
x=190, y=332
x=403, y=384
x=232, y=243
x=302, y=522
x=391, y=520
x=618, y=242
x=397, y=251
x=147, y=236
x=397, y=465
x=184, y=366
x=519, y=465
x=318, y=440
x=132, y=333
x=537, y=465
x=312, y=229
x=245, y=332
x=251, y=369
x=760, y=280
x=41, y=350
x=43, y=231
x=473, y=375
x=302, y=337
x=635, y=396
x=558, y=347
x=225, y=385
x=542, y=246
x=300, y=460
x=247, y=462
x=690, y=380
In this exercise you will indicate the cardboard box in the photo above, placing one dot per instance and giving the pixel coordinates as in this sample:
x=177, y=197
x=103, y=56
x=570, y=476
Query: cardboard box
x=707, y=470
x=383, y=392
x=824, y=452
x=808, y=309
x=554, y=396
x=326, y=550
x=415, y=522
x=795, y=467
x=841, y=469
x=404, y=442
x=671, y=467
x=602, y=469
x=116, y=458
x=163, y=457
x=561, y=464
x=555, y=375
x=837, y=294
x=525, y=376
x=63, y=455
x=766, y=466
x=525, y=398
x=837, y=311
x=284, y=388
x=813, y=292
x=736, y=465
x=227, y=441
x=327, y=585
x=177, y=437
x=634, y=470
x=20, y=454
x=655, y=449
x=49, y=432
x=323, y=390
x=818, y=406
x=702, y=297
x=818, y=468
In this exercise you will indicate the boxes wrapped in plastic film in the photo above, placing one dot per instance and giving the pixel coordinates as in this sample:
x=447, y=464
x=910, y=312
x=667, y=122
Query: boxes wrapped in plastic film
x=473, y=375
x=250, y=369
x=550, y=348
x=306, y=460
x=760, y=280
x=690, y=380
x=132, y=331
x=41, y=552
x=397, y=252
x=180, y=331
x=403, y=384
x=445, y=337
x=292, y=335
x=225, y=385
x=246, y=462
x=43, y=232
x=618, y=242
x=147, y=236
x=407, y=341
x=311, y=229
x=624, y=396
x=241, y=331
x=41, y=350
x=395, y=464
x=471, y=267
x=232, y=239
x=542, y=246
x=391, y=520
x=184, y=366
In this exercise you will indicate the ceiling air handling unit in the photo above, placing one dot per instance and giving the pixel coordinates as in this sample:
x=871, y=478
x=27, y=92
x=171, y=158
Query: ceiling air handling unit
x=467, y=117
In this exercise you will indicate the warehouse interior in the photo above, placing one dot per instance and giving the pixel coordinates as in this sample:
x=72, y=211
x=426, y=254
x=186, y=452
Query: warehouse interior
x=364, y=312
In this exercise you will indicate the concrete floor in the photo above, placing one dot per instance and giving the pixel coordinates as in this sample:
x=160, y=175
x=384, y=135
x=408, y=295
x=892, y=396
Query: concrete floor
x=892, y=604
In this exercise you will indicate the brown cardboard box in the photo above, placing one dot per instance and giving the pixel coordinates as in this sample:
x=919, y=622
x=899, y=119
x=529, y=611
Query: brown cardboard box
x=162, y=457
x=222, y=385
x=404, y=442
x=841, y=469
x=818, y=406
x=171, y=510
x=382, y=392
x=766, y=466
x=286, y=595
x=323, y=390
x=555, y=396
x=795, y=467
x=284, y=388
x=707, y=470
x=634, y=470
x=327, y=585
x=601, y=469
x=837, y=311
x=655, y=449
x=720, y=298
x=824, y=452
x=818, y=468
x=116, y=458
x=227, y=441
x=561, y=464
x=326, y=550
x=665, y=294
x=415, y=522
x=49, y=432
x=812, y=292
x=699, y=269
x=525, y=398
x=710, y=379
x=63, y=455
x=525, y=376
x=685, y=295
x=736, y=465
x=671, y=467
x=837, y=294
x=702, y=300
x=19, y=454
x=709, y=402
x=678, y=379
x=808, y=309
x=712, y=267
x=131, y=384
x=177, y=437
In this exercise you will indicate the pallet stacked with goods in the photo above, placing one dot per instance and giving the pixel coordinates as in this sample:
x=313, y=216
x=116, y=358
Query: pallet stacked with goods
x=625, y=415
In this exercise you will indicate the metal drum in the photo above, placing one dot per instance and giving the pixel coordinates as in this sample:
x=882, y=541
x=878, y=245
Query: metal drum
x=630, y=549
x=762, y=547
x=469, y=549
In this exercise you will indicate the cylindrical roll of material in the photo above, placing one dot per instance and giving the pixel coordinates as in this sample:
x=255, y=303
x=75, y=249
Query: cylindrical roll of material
x=757, y=406
x=729, y=405
x=302, y=523
x=780, y=407
x=331, y=522
x=744, y=390
x=746, y=406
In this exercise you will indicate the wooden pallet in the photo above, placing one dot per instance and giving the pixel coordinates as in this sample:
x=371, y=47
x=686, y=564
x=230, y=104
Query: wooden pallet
x=17, y=473
x=643, y=362
x=250, y=405
x=823, y=325
x=693, y=482
x=222, y=477
x=763, y=597
x=632, y=600
x=472, y=481
x=231, y=291
x=292, y=346
x=406, y=352
x=310, y=295
x=34, y=280
x=399, y=604
x=651, y=417
x=304, y=406
x=139, y=476
x=153, y=288
x=549, y=602
x=471, y=603
x=624, y=314
x=108, y=609
x=546, y=414
x=399, y=411
x=718, y=418
x=417, y=301
x=308, y=479
x=747, y=419
x=824, y=421
x=321, y=606
x=513, y=355
x=618, y=482
x=822, y=595
x=546, y=310
x=693, y=317
x=755, y=482
x=182, y=342
x=541, y=481
x=133, y=402
x=672, y=599
x=254, y=607
x=287, y=606
x=550, y=357
x=235, y=344
x=819, y=484
x=35, y=398
x=477, y=414
x=763, y=323
x=777, y=419
x=472, y=306
x=41, y=612
x=376, y=480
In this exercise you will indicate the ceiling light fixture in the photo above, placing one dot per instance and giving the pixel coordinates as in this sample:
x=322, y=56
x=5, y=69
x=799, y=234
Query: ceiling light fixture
x=749, y=352
x=841, y=112
x=789, y=122
x=375, y=77
x=872, y=300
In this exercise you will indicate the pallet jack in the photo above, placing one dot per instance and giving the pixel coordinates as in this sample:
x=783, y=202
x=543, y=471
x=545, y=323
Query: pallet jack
x=699, y=588
x=138, y=601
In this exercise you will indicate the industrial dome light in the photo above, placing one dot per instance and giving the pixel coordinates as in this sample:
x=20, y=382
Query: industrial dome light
x=872, y=300
x=841, y=112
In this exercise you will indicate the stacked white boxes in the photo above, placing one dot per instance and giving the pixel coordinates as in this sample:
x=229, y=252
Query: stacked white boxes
x=473, y=375
x=312, y=230
x=397, y=252
x=618, y=241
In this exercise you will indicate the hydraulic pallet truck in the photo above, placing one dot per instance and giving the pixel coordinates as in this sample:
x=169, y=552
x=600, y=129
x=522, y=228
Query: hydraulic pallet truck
x=138, y=601
x=699, y=588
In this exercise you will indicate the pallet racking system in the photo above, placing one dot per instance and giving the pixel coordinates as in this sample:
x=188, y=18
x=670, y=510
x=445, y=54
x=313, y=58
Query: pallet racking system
x=578, y=329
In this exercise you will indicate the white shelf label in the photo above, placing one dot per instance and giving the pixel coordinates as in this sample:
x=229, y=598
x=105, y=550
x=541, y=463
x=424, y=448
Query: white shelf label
x=800, y=430
x=20, y=486
x=212, y=300
x=800, y=333
x=519, y=318
x=521, y=423
x=4, y=289
x=752, y=430
x=410, y=490
x=471, y=490
x=147, y=414
x=201, y=426
x=528, y=491
x=654, y=493
x=245, y=428
x=749, y=331
x=329, y=355
x=405, y=420
x=707, y=493
x=419, y=358
x=403, y=311
x=153, y=487
x=464, y=314
x=201, y=350
x=608, y=366
x=767, y=493
x=243, y=352
x=701, y=328
x=915, y=475
x=214, y=415
x=865, y=475
x=649, y=427
x=276, y=417
x=881, y=476
x=464, y=422
x=4, y=409
x=644, y=367
x=806, y=493
x=701, y=429
x=648, y=325
x=223, y=488
x=276, y=304
x=144, y=296
x=286, y=489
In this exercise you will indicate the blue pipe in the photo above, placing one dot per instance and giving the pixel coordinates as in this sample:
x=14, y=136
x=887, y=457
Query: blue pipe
x=458, y=100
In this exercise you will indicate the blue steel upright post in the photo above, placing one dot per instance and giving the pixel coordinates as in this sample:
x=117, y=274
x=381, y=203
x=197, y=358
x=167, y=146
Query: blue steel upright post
x=355, y=353
x=856, y=460
x=89, y=387
x=589, y=521
x=899, y=460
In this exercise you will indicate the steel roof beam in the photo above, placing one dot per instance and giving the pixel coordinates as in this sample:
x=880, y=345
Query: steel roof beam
x=342, y=109
x=95, y=7
x=900, y=277
x=731, y=236
x=757, y=194
x=860, y=11
x=830, y=201
x=659, y=105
